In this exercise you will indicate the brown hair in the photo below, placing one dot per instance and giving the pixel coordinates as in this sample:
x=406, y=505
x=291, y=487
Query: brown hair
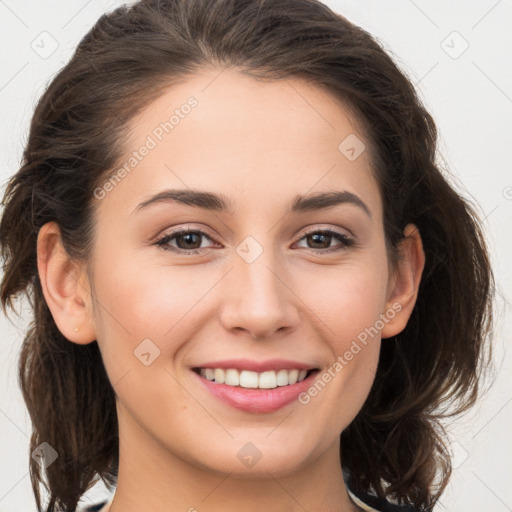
x=395, y=447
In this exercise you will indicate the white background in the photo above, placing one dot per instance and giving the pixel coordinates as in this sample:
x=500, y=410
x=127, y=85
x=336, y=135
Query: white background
x=470, y=96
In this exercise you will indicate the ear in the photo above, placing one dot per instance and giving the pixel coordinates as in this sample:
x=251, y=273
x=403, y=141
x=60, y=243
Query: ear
x=65, y=286
x=404, y=282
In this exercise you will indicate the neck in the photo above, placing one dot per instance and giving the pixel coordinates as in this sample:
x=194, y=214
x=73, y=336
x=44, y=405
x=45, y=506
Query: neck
x=152, y=478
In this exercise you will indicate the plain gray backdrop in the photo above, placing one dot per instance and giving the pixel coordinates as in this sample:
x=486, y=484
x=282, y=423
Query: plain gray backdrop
x=458, y=54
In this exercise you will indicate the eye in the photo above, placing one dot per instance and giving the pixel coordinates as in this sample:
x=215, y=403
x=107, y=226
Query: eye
x=184, y=241
x=321, y=239
x=187, y=241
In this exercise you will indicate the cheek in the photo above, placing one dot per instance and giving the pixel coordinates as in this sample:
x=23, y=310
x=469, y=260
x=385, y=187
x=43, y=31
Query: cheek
x=348, y=299
x=350, y=304
x=145, y=315
x=146, y=299
x=139, y=301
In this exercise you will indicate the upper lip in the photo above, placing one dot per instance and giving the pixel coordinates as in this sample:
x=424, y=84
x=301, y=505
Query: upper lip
x=257, y=366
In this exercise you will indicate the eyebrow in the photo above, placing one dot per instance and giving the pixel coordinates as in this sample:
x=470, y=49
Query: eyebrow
x=221, y=203
x=326, y=200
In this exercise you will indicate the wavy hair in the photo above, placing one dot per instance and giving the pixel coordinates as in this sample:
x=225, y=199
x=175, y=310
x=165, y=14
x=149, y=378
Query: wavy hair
x=395, y=447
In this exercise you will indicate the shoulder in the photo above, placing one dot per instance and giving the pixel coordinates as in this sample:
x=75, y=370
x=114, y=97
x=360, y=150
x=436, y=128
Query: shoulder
x=371, y=503
x=92, y=508
x=368, y=503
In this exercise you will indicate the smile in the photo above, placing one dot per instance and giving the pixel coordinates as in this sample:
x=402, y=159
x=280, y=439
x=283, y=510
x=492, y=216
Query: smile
x=253, y=380
x=255, y=387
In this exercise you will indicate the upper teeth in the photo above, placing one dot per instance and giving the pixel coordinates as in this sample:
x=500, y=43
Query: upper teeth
x=248, y=379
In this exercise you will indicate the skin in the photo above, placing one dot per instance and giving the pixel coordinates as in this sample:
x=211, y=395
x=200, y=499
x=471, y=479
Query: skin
x=260, y=144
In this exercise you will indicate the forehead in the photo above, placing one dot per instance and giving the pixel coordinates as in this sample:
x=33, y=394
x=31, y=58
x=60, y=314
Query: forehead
x=226, y=132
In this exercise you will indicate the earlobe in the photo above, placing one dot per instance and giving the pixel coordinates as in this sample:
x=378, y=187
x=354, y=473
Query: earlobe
x=405, y=281
x=65, y=286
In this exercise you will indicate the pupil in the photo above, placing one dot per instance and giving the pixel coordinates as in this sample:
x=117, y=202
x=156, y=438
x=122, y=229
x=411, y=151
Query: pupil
x=189, y=240
x=317, y=239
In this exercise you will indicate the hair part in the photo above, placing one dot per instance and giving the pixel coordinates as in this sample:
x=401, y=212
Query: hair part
x=395, y=446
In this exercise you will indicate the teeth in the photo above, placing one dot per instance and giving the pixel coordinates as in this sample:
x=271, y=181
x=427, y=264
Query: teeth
x=219, y=375
x=293, y=376
x=231, y=378
x=282, y=378
x=267, y=380
x=253, y=380
x=248, y=379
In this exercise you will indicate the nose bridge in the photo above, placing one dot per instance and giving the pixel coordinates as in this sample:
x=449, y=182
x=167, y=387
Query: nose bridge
x=258, y=300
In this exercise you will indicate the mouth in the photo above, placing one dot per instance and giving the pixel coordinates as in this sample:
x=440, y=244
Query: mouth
x=255, y=392
x=254, y=380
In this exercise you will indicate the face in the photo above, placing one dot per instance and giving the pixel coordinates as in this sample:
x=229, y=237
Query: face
x=274, y=282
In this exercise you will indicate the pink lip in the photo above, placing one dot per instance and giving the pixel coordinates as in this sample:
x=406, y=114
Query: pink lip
x=256, y=400
x=257, y=366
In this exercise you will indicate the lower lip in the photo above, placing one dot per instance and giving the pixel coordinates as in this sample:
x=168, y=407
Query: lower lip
x=257, y=400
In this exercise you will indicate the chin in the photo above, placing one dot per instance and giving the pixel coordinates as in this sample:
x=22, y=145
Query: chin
x=249, y=460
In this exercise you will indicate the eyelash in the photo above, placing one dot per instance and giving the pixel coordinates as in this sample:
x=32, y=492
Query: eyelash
x=345, y=241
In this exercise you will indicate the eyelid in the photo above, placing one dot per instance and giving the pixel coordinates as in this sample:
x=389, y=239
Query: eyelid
x=316, y=229
x=183, y=231
x=183, y=228
x=346, y=242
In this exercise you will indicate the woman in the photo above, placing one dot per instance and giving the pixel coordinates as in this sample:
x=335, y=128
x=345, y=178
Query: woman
x=247, y=285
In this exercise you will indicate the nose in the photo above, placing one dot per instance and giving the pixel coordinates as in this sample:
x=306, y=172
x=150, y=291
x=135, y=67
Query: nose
x=258, y=299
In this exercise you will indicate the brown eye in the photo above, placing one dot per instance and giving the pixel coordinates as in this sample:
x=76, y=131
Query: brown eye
x=184, y=240
x=188, y=241
x=321, y=240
